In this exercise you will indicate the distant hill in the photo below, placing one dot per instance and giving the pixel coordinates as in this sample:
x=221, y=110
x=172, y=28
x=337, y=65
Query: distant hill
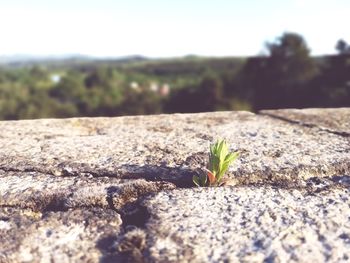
x=25, y=60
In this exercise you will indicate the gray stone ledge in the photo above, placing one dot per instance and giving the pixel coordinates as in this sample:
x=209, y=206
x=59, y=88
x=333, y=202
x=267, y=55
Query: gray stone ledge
x=332, y=120
x=103, y=189
x=172, y=147
x=249, y=224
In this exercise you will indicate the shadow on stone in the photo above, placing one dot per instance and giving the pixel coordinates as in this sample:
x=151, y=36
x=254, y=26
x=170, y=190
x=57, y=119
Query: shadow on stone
x=343, y=180
x=180, y=176
x=107, y=247
x=134, y=215
x=122, y=250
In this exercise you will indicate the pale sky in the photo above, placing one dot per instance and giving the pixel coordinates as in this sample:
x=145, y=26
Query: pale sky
x=161, y=28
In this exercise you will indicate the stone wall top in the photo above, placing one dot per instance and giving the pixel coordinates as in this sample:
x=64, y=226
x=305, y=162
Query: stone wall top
x=109, y=189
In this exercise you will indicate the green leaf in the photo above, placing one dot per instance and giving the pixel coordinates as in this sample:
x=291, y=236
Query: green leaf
x=219, y=144
x=200, y=180
x=212, y=149
x=214, y=164
x=211, y=163
x=195, y=180
x=228, y=160
x=219, y=162
x=223, y=151
x=203, y=179
x=231, y=157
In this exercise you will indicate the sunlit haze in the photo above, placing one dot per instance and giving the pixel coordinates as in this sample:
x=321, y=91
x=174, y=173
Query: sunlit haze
x=158, y=28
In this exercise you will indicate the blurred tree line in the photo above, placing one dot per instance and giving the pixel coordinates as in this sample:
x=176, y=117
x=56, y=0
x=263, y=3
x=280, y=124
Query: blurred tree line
x=285, y=76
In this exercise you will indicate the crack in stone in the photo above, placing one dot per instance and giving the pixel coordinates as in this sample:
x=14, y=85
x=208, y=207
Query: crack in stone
x=305, y=124
x=61, y=172
x=26, y=170
x=127, y=200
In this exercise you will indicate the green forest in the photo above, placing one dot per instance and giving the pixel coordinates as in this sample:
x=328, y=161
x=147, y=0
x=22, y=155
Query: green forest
x=286, y=76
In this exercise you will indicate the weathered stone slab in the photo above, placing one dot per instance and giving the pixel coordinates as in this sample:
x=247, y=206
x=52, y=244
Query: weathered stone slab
x=47, y=192
x=101, y=189
x=250, y=224
x=81, y=235
x=334, y=120
x=172, y=147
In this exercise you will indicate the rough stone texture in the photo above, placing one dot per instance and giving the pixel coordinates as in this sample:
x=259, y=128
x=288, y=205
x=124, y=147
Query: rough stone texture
x=333, y=120
x=249, y=224
x=171, y=147
x=47, y=192
x=71, y=236
x=103, y=189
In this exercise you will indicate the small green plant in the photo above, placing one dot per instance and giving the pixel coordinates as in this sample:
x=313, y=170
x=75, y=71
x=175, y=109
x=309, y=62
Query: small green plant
x=219, y=162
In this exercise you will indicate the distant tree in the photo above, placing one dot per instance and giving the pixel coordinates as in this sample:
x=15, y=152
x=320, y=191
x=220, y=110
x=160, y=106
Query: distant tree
x=104, y=88
x=342, y=47
x=333, y=84
x=209, y=93
x=38, y=72
x=281, y=78
x=70, y=94
x=207, y=96
x=140, y=103
x=70, y=88
x=290, y=57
